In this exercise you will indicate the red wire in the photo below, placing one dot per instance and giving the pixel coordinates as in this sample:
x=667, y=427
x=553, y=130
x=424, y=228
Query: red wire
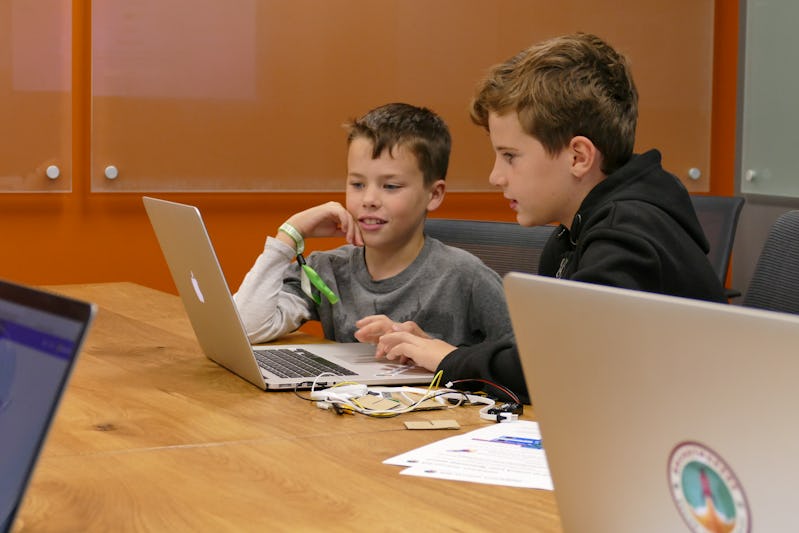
x=500, y=387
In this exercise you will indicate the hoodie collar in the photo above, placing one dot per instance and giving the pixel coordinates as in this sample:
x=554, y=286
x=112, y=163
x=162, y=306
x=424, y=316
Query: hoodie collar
x=641, y=179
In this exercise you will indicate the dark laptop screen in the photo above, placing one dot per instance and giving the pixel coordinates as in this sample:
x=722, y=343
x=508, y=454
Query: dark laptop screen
x=40, y=335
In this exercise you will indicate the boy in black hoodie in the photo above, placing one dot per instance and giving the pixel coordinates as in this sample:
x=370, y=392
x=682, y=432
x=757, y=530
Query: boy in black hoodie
x=561, y=116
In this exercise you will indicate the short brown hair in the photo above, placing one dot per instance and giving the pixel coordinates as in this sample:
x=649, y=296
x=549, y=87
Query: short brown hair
x=417, y=128
x=566, y=86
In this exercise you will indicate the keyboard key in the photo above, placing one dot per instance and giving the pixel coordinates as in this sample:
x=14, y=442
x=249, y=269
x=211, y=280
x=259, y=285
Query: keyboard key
x=297, y=363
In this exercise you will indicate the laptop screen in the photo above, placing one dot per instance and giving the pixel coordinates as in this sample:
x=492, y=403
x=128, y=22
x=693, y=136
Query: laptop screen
x=40, y=335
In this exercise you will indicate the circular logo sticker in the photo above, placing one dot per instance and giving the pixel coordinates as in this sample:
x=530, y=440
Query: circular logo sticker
x=706, y=492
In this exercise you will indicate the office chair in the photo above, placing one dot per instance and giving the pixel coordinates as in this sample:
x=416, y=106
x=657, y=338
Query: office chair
x=775, y=281
x=503, y=246
x=718, y=216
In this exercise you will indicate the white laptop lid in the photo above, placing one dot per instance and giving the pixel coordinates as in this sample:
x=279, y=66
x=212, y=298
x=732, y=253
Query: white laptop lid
x=208, y=302
x=40, y=337
x=658, y=413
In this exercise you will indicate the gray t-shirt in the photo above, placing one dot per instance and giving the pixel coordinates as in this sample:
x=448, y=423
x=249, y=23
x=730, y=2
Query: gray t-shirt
x=447, y=291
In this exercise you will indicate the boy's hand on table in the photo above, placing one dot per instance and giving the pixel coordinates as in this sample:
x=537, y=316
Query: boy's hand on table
x=371, y=328
x=406, y=344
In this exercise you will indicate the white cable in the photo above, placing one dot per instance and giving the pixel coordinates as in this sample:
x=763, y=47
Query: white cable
x=343, y=396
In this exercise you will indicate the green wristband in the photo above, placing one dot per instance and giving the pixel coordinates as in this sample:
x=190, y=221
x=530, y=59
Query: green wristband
x=295, y=235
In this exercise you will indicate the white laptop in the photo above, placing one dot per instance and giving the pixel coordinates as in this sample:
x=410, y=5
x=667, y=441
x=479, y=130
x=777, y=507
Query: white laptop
x=40, y=337
x=202, y=287
x=661, y=414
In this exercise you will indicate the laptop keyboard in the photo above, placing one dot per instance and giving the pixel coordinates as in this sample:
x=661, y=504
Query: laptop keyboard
x=297, y=363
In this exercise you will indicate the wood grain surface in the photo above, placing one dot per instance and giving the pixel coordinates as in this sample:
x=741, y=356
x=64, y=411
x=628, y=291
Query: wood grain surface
x=152, y=436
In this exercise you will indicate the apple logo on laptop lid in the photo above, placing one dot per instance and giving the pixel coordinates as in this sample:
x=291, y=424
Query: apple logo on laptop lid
x=197, y=290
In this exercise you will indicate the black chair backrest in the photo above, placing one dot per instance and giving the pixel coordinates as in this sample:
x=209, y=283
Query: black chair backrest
x=718, y=216
x=503, y=246
x=775, y=281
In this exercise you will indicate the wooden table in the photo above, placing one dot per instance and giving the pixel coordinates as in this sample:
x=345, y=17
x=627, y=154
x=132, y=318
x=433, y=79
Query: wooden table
x=152, y=436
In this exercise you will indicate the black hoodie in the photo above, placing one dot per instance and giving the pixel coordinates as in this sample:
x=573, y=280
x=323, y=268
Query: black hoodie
x=636, y=229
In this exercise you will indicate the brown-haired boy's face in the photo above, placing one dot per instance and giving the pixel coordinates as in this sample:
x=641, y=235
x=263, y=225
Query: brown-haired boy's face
x=540, y=187
x=387, y=196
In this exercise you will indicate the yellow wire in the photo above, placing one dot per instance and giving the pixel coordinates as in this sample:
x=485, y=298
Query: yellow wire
x=340, y=383
x=434, y=383
x=436, y=380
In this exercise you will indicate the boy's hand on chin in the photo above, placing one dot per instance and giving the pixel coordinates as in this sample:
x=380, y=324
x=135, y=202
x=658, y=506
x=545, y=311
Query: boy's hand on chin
x=330, y=219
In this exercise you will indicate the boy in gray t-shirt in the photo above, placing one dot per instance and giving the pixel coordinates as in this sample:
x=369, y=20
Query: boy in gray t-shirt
x=390, y=272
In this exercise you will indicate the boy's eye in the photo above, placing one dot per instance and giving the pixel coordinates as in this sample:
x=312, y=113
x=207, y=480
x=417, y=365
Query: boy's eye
x=356, y=184
x=392, y=186
x=508, y=157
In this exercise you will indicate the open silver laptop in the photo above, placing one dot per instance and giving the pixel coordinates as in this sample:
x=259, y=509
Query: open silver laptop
x=40, y=337
x=661, y=414
x=202, y=286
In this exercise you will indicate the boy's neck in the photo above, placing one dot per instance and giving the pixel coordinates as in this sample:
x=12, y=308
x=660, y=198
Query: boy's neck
x=387, y=263
x=587, y=184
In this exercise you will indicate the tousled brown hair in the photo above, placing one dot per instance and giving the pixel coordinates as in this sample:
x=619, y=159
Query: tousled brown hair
x=563, y=87
x=419, y=129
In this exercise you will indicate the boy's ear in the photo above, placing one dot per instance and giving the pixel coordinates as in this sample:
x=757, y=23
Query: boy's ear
x=437, y=191
x=585, y=156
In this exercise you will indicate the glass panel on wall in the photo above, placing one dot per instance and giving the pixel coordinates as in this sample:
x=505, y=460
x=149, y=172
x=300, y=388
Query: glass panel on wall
x=250, y=95
x=35, y=96
x=770, y=112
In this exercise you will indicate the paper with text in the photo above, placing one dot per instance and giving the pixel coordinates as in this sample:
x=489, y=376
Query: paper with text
x=509, y=454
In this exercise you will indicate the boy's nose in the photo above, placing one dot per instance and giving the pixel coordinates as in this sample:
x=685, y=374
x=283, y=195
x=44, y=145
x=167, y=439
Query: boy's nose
x=496, y=177
x=371, y=196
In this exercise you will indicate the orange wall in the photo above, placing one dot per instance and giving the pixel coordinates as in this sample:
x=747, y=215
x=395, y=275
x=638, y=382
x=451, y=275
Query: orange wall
x=725, y=85
x=85, y=237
